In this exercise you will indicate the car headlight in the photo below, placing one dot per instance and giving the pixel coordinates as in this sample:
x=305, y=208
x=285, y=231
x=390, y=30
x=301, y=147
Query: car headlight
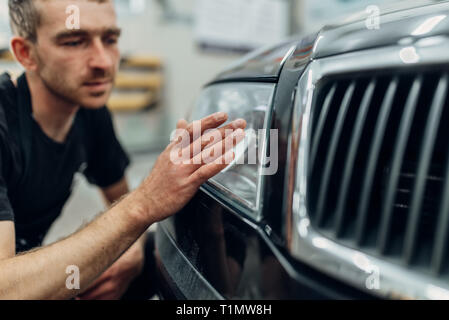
x=241, y=180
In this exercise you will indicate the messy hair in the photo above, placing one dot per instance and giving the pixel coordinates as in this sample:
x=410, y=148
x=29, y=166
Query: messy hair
x=25, y=18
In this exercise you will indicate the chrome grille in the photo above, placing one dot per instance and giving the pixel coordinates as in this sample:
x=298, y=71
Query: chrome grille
x=378, y=174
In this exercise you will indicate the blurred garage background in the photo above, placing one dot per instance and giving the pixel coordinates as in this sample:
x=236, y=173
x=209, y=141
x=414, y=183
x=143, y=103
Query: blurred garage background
x=170, y=49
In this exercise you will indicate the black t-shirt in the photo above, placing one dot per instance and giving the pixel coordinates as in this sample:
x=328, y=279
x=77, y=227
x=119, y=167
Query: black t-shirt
x=36, y=172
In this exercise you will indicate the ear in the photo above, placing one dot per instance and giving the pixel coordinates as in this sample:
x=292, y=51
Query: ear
x=23, y=50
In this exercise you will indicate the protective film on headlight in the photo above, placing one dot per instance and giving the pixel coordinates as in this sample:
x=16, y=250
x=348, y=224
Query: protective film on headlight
x=242, y=178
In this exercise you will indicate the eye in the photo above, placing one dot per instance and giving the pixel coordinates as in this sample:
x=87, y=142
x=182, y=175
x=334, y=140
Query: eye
x=110, y=40
x=72, y=43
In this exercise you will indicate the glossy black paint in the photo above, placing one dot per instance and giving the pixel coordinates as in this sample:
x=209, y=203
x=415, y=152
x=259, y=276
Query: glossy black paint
x=394, y=28
x=266, y=64
x=274, y=192
x=213, y=253
x=211, y=249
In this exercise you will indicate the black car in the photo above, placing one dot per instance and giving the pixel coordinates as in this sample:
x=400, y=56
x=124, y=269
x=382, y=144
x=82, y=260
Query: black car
x=341, y=189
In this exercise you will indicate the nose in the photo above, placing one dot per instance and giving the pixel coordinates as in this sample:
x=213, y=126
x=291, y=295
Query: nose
x=99, y=58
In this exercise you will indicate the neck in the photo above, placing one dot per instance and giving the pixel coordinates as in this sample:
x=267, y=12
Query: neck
x=53, y=114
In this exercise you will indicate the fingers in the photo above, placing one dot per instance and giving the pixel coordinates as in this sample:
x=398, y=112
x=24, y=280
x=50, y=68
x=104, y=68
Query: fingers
x=214, y=151
x=196, y=128
x=184, y=150
x=209, y=170
x=208, y=137
x=186, y=133
x=105, y=291
x=215, y=136
x=177, y=134
x=94, y=286
x=182, y=124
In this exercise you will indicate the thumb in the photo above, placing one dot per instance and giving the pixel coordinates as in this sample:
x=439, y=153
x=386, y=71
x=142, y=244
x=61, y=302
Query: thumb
x=182, y=124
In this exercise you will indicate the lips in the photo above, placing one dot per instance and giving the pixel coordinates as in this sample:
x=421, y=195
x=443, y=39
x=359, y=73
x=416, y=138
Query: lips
x=98, y=85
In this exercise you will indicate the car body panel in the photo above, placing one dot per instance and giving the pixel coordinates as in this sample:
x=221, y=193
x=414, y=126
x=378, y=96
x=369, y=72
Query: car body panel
x=340, y=258
x=395, y=27
x=263, y=64
x=208, y=251
x=212, y=250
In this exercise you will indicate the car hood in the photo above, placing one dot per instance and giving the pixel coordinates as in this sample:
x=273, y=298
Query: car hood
x=396, y=25
x=264, y=63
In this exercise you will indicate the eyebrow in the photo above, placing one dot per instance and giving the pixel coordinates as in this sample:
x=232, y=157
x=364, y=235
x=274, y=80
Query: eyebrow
x=82, y=33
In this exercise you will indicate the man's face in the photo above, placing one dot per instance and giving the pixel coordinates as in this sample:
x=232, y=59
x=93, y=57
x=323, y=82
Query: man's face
x=78, y=65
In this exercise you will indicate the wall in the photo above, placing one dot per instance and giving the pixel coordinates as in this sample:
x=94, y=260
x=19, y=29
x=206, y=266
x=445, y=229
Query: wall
x=187, y=69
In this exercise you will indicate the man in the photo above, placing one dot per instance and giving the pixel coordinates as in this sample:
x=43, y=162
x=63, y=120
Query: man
x=53, y=123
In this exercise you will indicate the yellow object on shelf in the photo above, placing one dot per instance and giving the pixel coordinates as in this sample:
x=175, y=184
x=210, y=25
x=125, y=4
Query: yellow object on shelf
x=131, y=101
x=138, y=84
x=131, y=79
x=142, y=61
x=8, y=64
x=6, y=56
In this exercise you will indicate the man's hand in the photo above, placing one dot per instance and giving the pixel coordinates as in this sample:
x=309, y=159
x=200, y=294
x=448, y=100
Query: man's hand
x=40, y=274
x=114, y=282
x=171, y=184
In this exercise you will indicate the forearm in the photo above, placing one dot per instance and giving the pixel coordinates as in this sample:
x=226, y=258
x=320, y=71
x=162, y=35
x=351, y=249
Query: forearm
x=171, y=184
x=41, y=274
x=114, y=193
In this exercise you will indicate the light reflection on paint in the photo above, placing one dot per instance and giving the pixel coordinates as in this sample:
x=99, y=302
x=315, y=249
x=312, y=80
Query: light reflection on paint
x=320, y=242
x=430, y=41
x=303, y=227
x=409, y=55
x=437, y=293
x=362, y=262
x=428, y=25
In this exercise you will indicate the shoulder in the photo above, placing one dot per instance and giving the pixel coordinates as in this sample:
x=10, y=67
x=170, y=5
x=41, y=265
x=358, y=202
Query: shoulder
x=8, y=102
x=8, y=119
x=8, y=90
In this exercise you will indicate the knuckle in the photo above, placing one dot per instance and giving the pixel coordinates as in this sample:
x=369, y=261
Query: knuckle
x=201, y=176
